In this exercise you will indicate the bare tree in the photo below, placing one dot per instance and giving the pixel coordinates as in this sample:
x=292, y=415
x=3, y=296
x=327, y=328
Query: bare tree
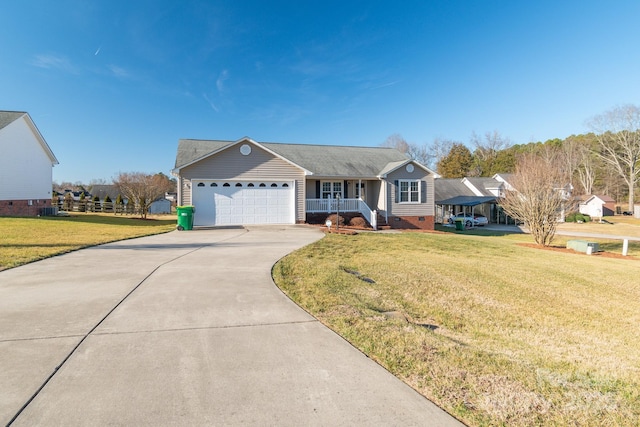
x=618, y=135
x=419, y=153
x=486, y=151
x=586, y=171
x=539, y=197
x=143, y=189
x=438, y=150
x=396, y=141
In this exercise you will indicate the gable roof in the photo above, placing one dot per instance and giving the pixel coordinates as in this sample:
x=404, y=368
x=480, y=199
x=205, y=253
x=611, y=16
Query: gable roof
x=603, y=199
x=8, y=117
x=457, y=191
x=104, y=190
x=319, y=160
x=482, y=186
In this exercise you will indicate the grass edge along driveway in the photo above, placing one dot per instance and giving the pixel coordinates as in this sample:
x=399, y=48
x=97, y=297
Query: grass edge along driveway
x=24, y=240
x=493, y=332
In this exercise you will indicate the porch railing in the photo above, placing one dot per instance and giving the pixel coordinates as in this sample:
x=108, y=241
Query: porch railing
x=343, y=205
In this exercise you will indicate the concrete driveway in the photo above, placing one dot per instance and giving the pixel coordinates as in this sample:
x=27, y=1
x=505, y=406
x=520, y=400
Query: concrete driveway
x=184, y=328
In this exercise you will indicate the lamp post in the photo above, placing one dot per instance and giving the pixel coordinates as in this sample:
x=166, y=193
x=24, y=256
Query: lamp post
x=337, y=212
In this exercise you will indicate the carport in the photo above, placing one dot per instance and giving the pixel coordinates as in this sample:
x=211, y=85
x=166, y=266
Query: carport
x=464, y=202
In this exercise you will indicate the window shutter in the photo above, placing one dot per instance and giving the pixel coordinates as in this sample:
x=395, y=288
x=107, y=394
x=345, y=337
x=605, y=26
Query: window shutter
x=345, y=195
x=397, y=189
x=318, y=195
x=423, y=191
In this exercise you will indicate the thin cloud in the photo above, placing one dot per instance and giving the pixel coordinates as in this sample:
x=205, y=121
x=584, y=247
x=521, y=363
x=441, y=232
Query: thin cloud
x=119, y=71
x=221, y=79
x=380, y=86
x=54, y=62
x=210, y=102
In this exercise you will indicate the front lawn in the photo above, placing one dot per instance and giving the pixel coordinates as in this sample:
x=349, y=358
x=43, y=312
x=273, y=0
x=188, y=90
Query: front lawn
x=24, y=240
x=493, y=332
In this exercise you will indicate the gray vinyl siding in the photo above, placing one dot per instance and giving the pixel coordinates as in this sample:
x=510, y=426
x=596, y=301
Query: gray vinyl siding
x=259, y=165
x=425, y=208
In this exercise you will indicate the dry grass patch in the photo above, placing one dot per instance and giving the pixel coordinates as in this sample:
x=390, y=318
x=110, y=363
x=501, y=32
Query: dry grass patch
x=24, y=240
x=493, y=332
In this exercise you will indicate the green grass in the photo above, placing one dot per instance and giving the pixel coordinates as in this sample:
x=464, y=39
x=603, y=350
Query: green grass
x=24, y=240
x=493, y=332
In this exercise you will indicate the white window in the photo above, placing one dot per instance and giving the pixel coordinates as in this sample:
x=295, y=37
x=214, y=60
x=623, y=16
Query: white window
x=409, y=191
x=331, y=189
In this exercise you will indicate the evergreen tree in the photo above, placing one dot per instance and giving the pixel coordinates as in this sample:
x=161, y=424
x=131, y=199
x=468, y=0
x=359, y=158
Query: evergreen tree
x=457, y=163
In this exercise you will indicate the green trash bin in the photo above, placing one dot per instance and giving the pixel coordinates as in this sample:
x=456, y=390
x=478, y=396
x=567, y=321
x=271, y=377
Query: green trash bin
x=460, y=224
x=185, y=217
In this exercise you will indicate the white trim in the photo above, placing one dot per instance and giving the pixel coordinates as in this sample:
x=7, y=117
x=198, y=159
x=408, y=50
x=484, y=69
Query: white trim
x=386, y=172
x=409, y=192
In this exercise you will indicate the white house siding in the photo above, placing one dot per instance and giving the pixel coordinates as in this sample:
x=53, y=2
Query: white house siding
x=259, y=165
x=25, y=168
x=425, y=208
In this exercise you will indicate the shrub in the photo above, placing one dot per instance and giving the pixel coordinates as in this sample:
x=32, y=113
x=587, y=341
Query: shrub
x=358, y=221
x=577, y=217
x=334, y=220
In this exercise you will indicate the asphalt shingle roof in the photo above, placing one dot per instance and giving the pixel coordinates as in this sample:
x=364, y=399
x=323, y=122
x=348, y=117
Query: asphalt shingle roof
x=321, y=160
x=445, y=189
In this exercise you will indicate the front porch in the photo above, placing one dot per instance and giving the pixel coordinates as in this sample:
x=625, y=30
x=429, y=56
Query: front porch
x=339, y=205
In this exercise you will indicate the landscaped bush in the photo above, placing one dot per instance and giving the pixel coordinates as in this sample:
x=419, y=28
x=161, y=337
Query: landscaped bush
x=577, y=217
x=358, y=221
x=334, y=220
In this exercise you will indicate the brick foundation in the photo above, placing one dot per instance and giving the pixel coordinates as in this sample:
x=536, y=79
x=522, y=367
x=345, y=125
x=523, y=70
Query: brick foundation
x=22, y=207
x=396, y=222
x=412, y=222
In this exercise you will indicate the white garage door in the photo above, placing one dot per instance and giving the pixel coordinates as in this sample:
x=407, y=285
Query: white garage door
x=243, y=202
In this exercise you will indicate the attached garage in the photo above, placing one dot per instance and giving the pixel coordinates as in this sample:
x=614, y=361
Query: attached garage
x=238, y=202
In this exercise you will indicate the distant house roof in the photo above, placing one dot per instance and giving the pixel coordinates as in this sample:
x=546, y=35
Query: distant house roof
x=8, y=117
x=603, y=199
x=104, y=190
x=466, y=191
x=485, y=184
x=319, y=160
x=447, y=188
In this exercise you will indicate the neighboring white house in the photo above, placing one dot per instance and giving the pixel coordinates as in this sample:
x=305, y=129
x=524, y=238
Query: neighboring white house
x=26, y=167
x=598, y=206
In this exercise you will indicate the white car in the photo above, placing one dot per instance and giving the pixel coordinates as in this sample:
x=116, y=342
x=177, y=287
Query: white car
x=475, y=220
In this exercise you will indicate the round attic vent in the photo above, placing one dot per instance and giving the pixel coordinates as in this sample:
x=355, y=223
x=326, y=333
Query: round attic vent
x=409, y=168
x=245, y=150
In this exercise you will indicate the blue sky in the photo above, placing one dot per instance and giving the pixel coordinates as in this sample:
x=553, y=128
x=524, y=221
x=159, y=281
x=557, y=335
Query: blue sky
x=112, y=85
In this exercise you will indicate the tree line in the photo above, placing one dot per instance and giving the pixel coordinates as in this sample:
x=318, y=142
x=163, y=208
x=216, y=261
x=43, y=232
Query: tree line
x=603, y=161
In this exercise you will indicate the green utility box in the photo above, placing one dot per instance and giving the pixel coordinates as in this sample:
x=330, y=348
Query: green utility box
x=583, y=246
x=185, y=217
x=459, y=224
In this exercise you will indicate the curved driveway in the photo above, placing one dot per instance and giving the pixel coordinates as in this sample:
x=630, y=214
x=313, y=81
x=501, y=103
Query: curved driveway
x=184, y=328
